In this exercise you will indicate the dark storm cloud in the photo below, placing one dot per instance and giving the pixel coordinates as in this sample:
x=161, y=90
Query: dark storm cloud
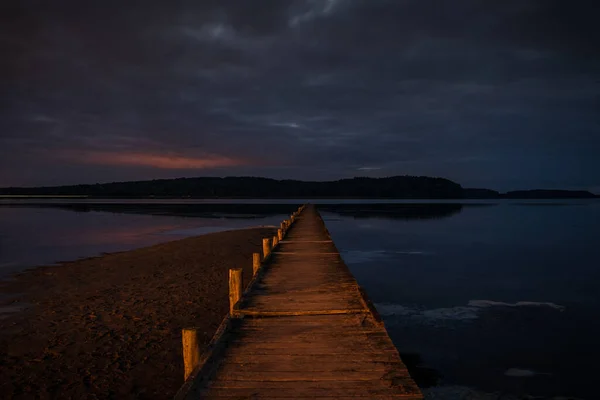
x=500, y=94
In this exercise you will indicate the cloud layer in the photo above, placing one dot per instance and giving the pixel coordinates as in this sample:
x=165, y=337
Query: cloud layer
x=502, y=94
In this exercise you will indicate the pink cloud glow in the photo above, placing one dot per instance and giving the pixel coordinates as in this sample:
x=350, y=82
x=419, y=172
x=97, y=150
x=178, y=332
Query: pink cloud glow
x=156, y=160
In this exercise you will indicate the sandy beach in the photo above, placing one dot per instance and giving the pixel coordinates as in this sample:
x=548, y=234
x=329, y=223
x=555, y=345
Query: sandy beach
x=110, y=326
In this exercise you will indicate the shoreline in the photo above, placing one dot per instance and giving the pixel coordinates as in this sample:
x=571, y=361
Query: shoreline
x=10, y=270
x=110, y=325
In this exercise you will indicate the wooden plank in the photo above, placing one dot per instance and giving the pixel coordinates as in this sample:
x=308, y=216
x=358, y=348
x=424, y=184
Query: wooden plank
x=300, y=296
x=392, y=355
x=304, y=254
x=375, y=357
x=284, y=363
x=315, y=343
x=353, y=392
x=306, y=241
x=312, y=396
x=317, y=385
x=304, y=371
x=316, y=340
x=263, y=304
x=262, y=290
x=319, y=389
x=285, y=322
x=307, y=348
x=283, y=313
x=231, y=372
x=299, y=333
x=303, y=283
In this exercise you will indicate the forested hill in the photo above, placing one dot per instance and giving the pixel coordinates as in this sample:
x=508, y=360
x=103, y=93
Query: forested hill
x=250, y=187
x=396, y=187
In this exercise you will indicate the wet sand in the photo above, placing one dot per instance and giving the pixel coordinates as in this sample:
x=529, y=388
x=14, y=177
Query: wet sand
x=110, y=327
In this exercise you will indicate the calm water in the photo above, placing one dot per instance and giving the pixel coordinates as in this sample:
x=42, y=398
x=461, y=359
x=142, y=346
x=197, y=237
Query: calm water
x=498, y=299
x=488, y=301
x=31, y=236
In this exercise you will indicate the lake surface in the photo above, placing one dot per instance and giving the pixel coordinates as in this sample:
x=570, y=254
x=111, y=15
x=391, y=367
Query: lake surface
x=43, y=235
x=486, y=300
x=499, y=298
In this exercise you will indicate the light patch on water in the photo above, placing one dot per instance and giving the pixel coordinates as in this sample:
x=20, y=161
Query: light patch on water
x=436, y=314
x=523, y=373
x=491, y=303
x=365, y=226
x=362, y=256
x=459, y=313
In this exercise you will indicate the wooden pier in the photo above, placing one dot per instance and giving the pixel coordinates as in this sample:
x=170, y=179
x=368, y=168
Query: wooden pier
x=303, y=328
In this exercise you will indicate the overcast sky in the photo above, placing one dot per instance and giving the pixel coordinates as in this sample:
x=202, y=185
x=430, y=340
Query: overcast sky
x=499, y=94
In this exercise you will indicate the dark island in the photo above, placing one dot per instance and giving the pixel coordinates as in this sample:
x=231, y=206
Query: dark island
x=396, y=187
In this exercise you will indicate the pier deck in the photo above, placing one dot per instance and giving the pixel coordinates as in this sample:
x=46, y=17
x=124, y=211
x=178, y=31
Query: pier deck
x=303, y=329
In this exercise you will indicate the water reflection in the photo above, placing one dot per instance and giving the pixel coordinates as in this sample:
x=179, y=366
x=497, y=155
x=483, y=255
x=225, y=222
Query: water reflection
x=197, y=210
x=405, y=211
x=40, y=235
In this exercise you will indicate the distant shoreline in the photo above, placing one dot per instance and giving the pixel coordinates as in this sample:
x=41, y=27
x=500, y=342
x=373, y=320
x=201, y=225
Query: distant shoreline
x=394, y=187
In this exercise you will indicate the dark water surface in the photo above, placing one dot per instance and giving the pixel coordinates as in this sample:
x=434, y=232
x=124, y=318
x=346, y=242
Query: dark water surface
x=47, y=233
x=501, y=301
x=489, y=300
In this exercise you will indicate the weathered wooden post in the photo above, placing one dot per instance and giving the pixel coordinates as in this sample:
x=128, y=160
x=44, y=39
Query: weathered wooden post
x=275, y=241
x=283, y=226
x=235, y=287
x=280, y=234
x=255, y=262
x=191, y=350
x=266, y=247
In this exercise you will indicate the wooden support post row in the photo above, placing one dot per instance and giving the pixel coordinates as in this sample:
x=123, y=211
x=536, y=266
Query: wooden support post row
x=286, y=224
x=189, y=336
